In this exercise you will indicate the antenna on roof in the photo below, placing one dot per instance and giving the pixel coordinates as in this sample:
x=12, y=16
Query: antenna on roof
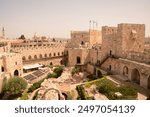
x=3, y=32
x=90, y=24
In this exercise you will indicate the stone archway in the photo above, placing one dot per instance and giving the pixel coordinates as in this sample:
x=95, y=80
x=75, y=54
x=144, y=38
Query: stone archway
x=35, y=56
x=16, y=73
x=125, y=71
x=148, y=83
x=135, y=76
x=23, y=58
x=99, y=74
x=51, y=63
x=65, y=95
x=61, y=62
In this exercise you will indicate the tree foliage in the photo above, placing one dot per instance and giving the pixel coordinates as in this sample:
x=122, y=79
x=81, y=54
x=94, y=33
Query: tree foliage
x=15, y=85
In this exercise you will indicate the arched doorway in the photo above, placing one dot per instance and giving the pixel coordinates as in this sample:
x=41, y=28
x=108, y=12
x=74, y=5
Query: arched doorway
x=51, y=63
x=40, y=56
x=23, y=58
x=82, y=42
x=16, y=73
x=99, y=74
x=2, y=69
x=148, y=83
x=35, y=56
x=61, y=62
x=125, y=71
x=94, y=72
x=29, y=57
x=78, y=60
x=135, y=76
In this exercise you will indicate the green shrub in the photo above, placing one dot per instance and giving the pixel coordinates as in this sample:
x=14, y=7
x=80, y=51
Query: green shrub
x=81, y=92
x=35, y=86
x=75, y=70
x=52, y=75
x=58, y=70
x=91, y=77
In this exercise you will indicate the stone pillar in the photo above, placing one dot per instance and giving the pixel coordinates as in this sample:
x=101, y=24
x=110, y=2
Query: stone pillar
x=130, y=74
x=144, y=81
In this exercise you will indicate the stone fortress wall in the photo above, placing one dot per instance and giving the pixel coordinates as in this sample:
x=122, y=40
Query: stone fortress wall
x=46, y=53
x=117, y=50
x=120, y=51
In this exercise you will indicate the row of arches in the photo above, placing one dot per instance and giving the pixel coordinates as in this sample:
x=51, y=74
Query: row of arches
x=40, y=56
x=135, y=75
x=61, y=63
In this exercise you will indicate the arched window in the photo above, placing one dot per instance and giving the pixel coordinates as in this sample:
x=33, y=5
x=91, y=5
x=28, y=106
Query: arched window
x=58, y=53
x=35, y=56
x=125, y=70
x=29, y=57
x=61, y=62
x=62, y=53
x=16, y=73
x=23, y=58
x=2, y=69
x=49, y=54
x=51, y=63
x=45, y=55
x=54, y=54
x=40, y=56
x=78, y=60
x=82, y=42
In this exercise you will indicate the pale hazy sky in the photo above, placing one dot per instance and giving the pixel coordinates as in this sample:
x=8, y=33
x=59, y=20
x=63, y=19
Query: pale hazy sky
x=56, y=18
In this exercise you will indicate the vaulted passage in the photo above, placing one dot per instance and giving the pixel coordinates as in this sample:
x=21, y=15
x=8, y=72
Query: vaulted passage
x=16, y=73
x=135, y=76
x=148, y=85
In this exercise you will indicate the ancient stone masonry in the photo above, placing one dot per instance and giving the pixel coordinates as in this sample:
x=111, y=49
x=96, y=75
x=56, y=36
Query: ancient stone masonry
x=113, y=50
x=117, y=50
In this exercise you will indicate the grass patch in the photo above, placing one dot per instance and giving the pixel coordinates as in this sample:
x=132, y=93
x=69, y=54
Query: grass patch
x=108, y=88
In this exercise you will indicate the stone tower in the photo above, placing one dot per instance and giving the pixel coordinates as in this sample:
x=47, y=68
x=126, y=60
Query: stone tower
x=130, y=38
